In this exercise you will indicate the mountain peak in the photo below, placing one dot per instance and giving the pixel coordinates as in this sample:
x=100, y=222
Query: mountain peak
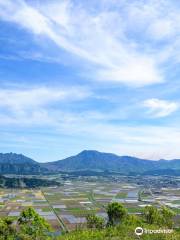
x=89, y=152
x=85, y=160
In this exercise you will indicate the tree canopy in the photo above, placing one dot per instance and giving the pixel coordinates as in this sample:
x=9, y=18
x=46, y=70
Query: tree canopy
x=116, y=213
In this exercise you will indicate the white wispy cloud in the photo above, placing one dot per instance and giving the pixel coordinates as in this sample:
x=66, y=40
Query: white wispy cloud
x=30, y=109
x=20, y=99
x=145, y=141
x=160, y=108
x=99, y=38
x=128, y=42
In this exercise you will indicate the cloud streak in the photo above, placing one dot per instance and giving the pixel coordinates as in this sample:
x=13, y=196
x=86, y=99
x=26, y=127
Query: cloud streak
x=160, y=108
x=91, y=37
x=128, y=49
x=37, y=97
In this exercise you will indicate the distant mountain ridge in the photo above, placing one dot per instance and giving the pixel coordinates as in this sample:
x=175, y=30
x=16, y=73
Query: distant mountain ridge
x=87, y=160
x=94, y=160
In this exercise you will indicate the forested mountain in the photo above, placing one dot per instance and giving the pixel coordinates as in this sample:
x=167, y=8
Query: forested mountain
x=12, y=163
x=97, y=161
x=88, y=160
x=94, y=160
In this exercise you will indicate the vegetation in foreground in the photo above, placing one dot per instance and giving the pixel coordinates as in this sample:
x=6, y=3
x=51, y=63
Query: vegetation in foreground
x=119, y=226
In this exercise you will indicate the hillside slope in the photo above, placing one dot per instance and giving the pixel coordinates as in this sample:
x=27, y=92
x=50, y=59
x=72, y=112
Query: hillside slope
x=88, y=160
x=94, y=160
x=12, y=163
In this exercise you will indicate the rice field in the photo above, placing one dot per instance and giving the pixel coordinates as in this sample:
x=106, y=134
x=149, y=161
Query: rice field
x=67, y=206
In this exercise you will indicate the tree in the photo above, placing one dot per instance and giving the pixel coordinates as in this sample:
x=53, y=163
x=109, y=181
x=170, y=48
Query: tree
x=7, y=231
x=161, y=217
x=151, y=215
x=116, y=213
x=94, y=221
x=167, y=215
x=32, y=224
x=133, y=220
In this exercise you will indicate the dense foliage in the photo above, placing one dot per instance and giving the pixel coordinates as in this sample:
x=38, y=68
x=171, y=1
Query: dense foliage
x=116, y=213
x=11, y=182
x=161, y=217
x=121, y=232
x=30, y=225
x=119, y=226
x=95, y=222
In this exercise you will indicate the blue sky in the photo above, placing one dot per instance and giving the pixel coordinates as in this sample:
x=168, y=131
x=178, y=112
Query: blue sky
x=101, y=75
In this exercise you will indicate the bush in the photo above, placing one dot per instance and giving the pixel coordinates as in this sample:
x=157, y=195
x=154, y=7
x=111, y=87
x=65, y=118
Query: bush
x=94, y=221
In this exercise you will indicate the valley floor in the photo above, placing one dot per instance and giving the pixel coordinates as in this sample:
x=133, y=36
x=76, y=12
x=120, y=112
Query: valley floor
x=67, y=206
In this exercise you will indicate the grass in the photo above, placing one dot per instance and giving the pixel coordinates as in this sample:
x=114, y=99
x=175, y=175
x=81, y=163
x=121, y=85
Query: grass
x=81, y=212
x=176, y=202
x=176, y=210
x=121, y=195
x=134, y=209
x=58, y=210
x=122, y=232
x=46, y=209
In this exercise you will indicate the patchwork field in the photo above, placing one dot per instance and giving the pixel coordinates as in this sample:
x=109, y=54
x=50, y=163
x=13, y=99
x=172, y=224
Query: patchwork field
x=67, y=206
